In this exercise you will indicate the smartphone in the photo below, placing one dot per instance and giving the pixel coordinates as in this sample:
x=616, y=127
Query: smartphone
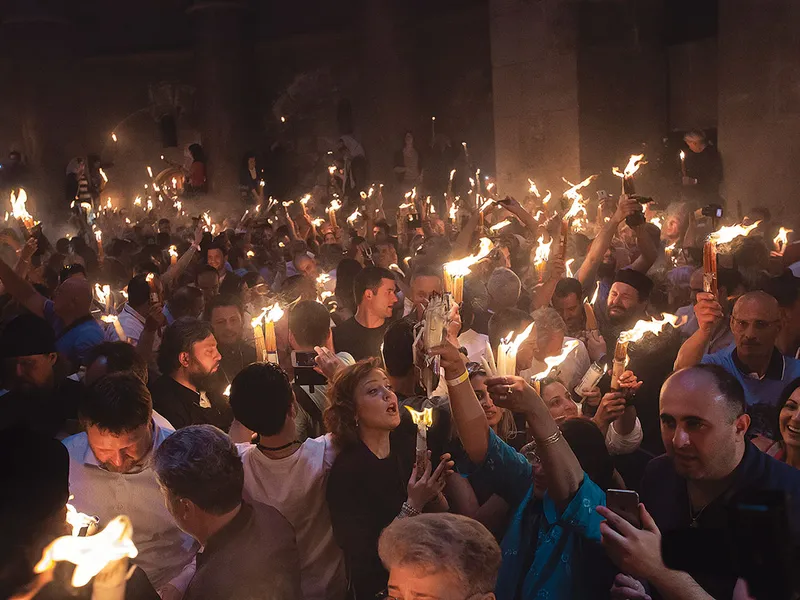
x=304, y=371
x=413, y=221
x=625, y=503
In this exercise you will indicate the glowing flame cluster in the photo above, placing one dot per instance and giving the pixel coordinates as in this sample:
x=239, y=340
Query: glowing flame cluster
x=654, y=326
x=533, y=189
x=274, y=314
x=335, y=205
x=511, y=346
x=173, y=251
x=78, y=520
x=552, y=362
x=725, y=235
x=421, y=417
x=352, y=218
x=500, y=225
x=18, y=209
x=102, y=293
x=462, y=267
x=91, y=554
x=634, y=163
x=782, y=239
x=542, y=251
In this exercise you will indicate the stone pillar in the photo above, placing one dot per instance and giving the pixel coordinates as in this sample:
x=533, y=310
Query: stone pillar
x=222, y=58
x=759, y=106
x=535, y=93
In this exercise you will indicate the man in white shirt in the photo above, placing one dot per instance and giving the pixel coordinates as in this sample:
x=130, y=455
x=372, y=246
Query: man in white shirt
x=289, y=475
x=133, y=315
x=110, y=474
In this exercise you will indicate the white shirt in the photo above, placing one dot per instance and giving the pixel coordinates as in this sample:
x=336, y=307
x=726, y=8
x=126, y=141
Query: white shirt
x=475, y=343
x=296, y=485
x=133, y=326
x=164, y=550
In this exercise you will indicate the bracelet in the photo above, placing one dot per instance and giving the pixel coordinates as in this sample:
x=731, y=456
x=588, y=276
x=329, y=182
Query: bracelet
x=408, y=511
x=458, y=380
x=549, y=440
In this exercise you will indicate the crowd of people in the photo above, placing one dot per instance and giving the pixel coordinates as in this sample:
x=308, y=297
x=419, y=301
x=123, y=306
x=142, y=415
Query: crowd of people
x=134, y=383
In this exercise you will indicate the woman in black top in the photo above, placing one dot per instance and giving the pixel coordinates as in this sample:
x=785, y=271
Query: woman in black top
x=373, y=480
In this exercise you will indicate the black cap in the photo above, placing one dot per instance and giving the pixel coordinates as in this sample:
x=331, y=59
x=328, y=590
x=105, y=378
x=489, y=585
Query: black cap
x=27, y=335
x=641, y=282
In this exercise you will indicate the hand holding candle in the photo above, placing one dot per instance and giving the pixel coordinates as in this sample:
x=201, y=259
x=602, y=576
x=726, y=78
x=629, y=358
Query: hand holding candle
x=456, y=270
x=423, y=420
x=636, y=333
x=724, y=235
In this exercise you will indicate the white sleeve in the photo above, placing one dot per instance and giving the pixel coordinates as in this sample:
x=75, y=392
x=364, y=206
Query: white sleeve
x=624, y=444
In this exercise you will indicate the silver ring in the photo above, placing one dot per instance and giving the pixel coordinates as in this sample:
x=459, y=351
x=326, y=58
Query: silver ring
x=509, y=391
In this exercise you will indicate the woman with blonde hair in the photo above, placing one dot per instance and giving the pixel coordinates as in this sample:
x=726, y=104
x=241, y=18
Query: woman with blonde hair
x=374, y=479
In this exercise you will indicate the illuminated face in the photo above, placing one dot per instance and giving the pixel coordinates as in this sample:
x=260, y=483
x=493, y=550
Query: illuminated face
x=329, y=238
x=202, y=360
x=209, y=285
x=570, y=308
x=696, y=144
x=755, y=325
x=386, y=255
x=33, y=372
x=623, y=303
x=216, y=259
x=558, y=402
x=376, y=403
x=493, y=413
x=120, y=453
x=698, y=428
x=789, y=420
x=383, y=299
x=409, y=582
x=227, y=323
x=422, y=288
x=307, y=266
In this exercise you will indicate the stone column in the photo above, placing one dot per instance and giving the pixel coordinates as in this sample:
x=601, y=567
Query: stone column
x=222, y=58
x=759, y=106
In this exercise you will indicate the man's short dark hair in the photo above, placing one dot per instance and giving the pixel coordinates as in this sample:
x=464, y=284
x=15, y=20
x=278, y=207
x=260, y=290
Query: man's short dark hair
x=200, y=463
x=370, y=278
x=117, y=403
x=426, y=271
x=224, y=300
x=398, y=352
x=785, y=289
x=138, y=290
x=310, y=323
x=206, y=269
x=178, y=338
x=727, y=385
x=506, y=320
x=121, y=357
x=183, y=299
x=568, y=286
x=217, y=245
x=261, y=397
x=71, y=271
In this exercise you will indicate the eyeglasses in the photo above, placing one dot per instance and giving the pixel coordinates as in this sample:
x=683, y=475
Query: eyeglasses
x=386, y=595
x=758, y=324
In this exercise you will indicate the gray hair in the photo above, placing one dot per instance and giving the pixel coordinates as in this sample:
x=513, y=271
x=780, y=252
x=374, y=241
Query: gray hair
x=504, y=286
x=200, y=463
x=443, y=542
x=548, y=322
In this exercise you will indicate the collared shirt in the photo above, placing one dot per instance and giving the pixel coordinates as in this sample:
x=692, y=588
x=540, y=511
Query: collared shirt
x=665, y=494
x=74, y=341
x=133, y=325
x=570, y=372
x=253, y=556
x=164, y=550
x=296, y=486
x=721, y=338
x=477, y=344
x=182, y=406
x=761, y=393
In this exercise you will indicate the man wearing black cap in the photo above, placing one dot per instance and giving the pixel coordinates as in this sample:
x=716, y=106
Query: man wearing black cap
x=650, y=359
x=36, y=399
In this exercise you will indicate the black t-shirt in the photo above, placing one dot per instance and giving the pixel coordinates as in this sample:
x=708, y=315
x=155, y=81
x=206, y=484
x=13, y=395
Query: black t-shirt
x=44, y=411
x=361, y=342
x=365, y=493
x=181, y=406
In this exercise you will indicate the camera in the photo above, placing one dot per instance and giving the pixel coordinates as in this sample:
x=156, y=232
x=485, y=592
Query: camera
x=413, y=221
x=712, y=210
x=304, y=364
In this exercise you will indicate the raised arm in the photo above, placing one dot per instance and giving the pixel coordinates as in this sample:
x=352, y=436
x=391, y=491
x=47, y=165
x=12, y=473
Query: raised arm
x=21, y=290
x=516, y=209
x=174, y=272
x=461, y=245
x=648, y=249
x=709, y=314
x=602, y=242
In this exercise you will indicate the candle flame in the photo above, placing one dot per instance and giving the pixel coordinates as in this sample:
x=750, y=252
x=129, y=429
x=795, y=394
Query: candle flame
x=634, y=162
x=149, y=172
x=149, y=204
x=728, y=234
x=500, y=225
x=682, y=154
x=568, y=264
x=227, y=392
x=533, y=189
x=462, y=267
x=318, y=221
x=114, y=136
x=91, y=554
x=453, y=212
x=78, y=520
x=335, y=205
x=260, y=318
x=542, y=251
x=137, y=201
x=452, y=174
x=103, y=175
x=596, y=292
x=250, y=254
x=352, y=218
x=552, y=362
x=18, y=209
x=782, y=238
x=486, y=204
x=573, y=193
x=656, y=221
x=422, y=417
x=547, y=197
x=323, y=279
x=101, y=293
x=304, y=200
x=109, y=319
x=173, y=251
x=98, y=235
x=511, y=347
x=647, y=326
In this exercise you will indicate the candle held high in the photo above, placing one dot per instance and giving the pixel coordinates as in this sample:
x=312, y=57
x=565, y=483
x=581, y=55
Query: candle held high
x=634, y=163
x=636, y=333
x=552, y=362
x=456, y=270
x=507, y=351
x=724, y=235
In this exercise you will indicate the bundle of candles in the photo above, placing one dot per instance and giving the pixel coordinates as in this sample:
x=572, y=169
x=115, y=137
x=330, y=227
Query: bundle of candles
x=456, y=270
x=423, y=420
x=433, y=329
x=507, y=351
x=724, y=235
x=264, y=333
x=588, y=308
x=634, y=163
x=553, y=362
x=541, y=256
x=633, y=335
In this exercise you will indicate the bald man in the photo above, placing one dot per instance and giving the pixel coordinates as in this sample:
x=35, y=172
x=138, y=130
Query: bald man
x=68, y=313
x=753, y=358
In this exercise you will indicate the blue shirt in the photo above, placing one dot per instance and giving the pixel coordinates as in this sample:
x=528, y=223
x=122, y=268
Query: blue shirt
x=557, y=567
x=761, y=394
x=76, y=340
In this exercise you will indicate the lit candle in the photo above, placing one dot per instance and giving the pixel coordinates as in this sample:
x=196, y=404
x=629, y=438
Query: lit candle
x=173, y=255
x=634, y=162
x=683, y=163
x=274, y=315
x=151, y=283
x=456, y=270
x=636, y=333
x=507, y=352
x=114, y=320
x=723, y=236
x=422, y=419
x=334, y=206
x=258, y=336
x=98, y=235
x=782, y=239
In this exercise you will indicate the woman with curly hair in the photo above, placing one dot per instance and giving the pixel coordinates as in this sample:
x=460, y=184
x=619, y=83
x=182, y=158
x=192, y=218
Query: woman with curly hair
x=373, y=480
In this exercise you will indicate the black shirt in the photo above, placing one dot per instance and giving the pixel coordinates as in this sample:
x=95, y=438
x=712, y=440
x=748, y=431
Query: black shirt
x=665, y=495
x=235, y=358
x=43, y=411
x=182, y=406
x=361, y=342
x=254, y=557
x=365, y=493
